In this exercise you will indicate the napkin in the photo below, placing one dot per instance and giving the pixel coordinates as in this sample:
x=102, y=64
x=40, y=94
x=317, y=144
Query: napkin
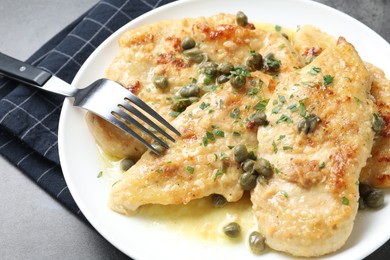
x=29, y=117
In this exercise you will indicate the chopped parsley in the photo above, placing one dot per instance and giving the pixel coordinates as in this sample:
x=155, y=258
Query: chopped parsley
x=293, y=107
x=282, y=99
x=174, y=114
x=190, y=169
x=219, y=133
x=100, y=174
x=281, y=137
x=275, y=147
x=236, y=133
x=314, y=70
x=218, y=173
x=204, y=105
x=278, y=28
x=235, y=113
x=261, y=105
x=356, y=99
x=284, y=193
x=251, y=155
x=345, y=201
x=253, y=91
x=286, y=148
x=328, y=79
x=284, y=118
x=322, y=165
x=210, y=136
x=205, y=141
x=276, y=109
x=302, y=108
x=159, y=171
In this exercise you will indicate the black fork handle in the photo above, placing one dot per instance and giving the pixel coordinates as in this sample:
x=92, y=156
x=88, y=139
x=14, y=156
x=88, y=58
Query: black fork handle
x=21, y=71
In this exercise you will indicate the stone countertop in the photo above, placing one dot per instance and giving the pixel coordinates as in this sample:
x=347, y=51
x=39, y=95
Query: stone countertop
x=35, y=226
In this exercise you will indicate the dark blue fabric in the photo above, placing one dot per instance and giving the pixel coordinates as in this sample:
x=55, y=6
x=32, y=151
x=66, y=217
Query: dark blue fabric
x=29, y=118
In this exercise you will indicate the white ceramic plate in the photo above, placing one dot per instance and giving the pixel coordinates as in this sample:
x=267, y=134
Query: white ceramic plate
x=139, y=239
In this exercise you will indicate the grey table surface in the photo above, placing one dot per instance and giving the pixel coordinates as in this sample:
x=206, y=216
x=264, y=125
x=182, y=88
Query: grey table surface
x=32, y=224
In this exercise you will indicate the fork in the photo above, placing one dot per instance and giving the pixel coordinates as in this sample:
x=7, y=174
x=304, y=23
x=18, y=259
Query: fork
x=104, y=97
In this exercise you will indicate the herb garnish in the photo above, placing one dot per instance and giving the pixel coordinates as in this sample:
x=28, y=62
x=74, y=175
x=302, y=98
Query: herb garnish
x=190, y=169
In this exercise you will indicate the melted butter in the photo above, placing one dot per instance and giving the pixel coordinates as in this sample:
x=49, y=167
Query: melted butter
x=200, y=219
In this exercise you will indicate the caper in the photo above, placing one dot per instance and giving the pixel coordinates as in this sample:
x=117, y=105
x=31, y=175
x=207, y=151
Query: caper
x=158, y=147
x=187, y=43
x=375, y=199
x=256, y=242
x=248, y=165
x=225, y=68
x=232, y=230
x=364, y=190
x=248, y=180
x=209, y=68
x=378, y=124
x=259, y=118
x=195, y=55
x=241, y=18
x=263, y=167
x=126, y=164
x=362, y=204
x=308, y=124
x=240, y=153
x=160, y=81
x=271, y=64
x=189, y=91
x=222, y=79
x=237, y=81
x=180, y=105
x=255, y=61
x=218, y=200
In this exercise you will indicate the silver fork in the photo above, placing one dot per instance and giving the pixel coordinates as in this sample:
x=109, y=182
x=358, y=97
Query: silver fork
x=103, y=97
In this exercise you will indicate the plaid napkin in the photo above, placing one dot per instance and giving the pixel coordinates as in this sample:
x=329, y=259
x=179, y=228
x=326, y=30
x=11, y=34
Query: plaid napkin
x=29, y=117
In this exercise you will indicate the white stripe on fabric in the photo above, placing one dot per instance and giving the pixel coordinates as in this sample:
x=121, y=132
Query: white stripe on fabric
x=16, y=106
x=120, y=10
x=50, y=147
x=24, y=158
x=45, y=172
x=59, y=193
x=82, y=39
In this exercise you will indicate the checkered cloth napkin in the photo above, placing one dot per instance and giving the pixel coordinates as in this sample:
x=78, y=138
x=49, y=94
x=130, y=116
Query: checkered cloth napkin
x=29, y=117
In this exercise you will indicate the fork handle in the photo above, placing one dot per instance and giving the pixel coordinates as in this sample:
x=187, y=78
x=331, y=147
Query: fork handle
x=21, y=71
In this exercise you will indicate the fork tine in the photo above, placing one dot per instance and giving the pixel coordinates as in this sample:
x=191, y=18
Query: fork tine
x=141, y=116
x=121, y=114
x=133, y=98
x=127, y=129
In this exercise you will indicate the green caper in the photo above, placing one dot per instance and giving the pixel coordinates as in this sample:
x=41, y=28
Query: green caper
x=225, y=68
x=126, y=164
x=364, y=190
x=240, y=153
x=179, y=105
x=189, y=91
x=375, y=198
x=255, y=61
x=158, y=147
x=271, y=64
x=222, y=79
x=362, y=204
x=308, y=124
x=218, y=200
x=195, y=55
x=248, y=180
x=209, y=68
x=248, y=165
x=237, y=81
x=256, y=242
x=241, y=18
x=378, y=123
x=232, y=229
x=263, y=167
x=160, y=81
x=187, y=43
x=259, y=118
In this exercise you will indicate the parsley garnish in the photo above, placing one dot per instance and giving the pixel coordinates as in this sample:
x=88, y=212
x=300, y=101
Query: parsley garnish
x=261, y=105
x=100, y=174
x=345, y=201
x=322, y=166
x=275, y=147
x=210, y=136
x=276, y=109
x=293, y=107
x=253, y=91
x=302, y=108
x=281, y=137
x=235, y=113
x=284, y=193
x=357, y=100
x=285, y=148
x=314, y=70
x=190, y=169
x=284, y=118
x=219, y=172
x=252, y=156
x=219, y=133
x=205, y=141
x=328, y=79
x=159, y=170
x=174, y=114
x=204, y=105
x=282, y=99
x=236, y=134
x=278, y=28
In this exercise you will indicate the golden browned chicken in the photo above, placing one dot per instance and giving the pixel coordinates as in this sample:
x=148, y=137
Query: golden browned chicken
x=318, y=140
